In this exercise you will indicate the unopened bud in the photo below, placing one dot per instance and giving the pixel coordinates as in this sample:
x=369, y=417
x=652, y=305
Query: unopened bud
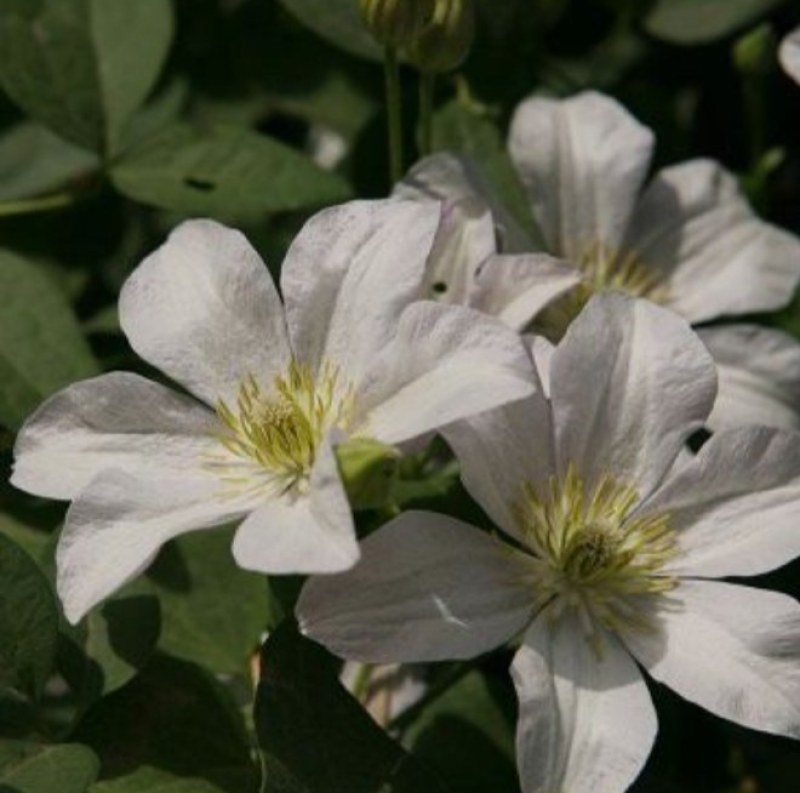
x=755, y=52
x=369, y=470
x=396, y=23
x=446, y=40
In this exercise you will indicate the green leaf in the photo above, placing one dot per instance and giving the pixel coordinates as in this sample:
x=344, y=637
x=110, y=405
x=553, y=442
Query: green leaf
x=28, y=621
x=174, y=716
x=41, y=345
x=467, y=735
x=154, y=780
x=34, y=160
x=315, y=737
x=82, y=67
x=214, y=613
x=702, y=21
x=337, y=21
x=111, y=645
x=459, y=129
x=226, y=172
x=34, y=768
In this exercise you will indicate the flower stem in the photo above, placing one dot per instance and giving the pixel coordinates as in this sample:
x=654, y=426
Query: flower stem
x=362, y=681
x=394, y=109
x=427, y=90
x=42, y=204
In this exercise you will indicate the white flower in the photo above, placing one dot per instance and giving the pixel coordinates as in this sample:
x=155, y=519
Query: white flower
x=618, y=536
x=789, y=54
x=348, y=354
x=688, y=240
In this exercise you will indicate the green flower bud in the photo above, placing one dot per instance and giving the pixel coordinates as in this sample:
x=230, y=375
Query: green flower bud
x=446, y=40
x=396, y=23
x=369, y=471
x=755, y=53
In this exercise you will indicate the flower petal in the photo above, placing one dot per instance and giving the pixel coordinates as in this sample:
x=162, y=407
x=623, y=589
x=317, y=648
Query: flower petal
x=115, y=527
x=629, y=383
x=759, y=376
x=443, y=363
x=118, y=420
x=204, y=310
x=350, y=273
x=516, y=288
x=427, y=588
x=789, y=54
x=586, y=723
x=736, y=505
x=730, y=649
x=311, y=533
x=501, y=450
x=447, y=177
x=582, y=161
x=720, y=259
x=464, y=241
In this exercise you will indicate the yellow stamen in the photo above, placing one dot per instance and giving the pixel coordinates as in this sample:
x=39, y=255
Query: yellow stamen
x=597, y=555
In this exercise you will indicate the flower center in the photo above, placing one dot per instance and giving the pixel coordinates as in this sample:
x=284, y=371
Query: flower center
x=594, y=553
x=280, y=427
x=604, y=269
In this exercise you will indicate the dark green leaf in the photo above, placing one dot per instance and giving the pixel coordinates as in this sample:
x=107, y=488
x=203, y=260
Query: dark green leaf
x=41, y=346
x=83, y=66
x=701, y=21
x=337, y=21
x=33, y=160
x=110, y=646
x=226, y=172
x=459, y=129
x=467, y=735
x=315, y=737
x=34, y=768
x=154, y=780
x=174, y=716
x=28, y=621
x=213, y=611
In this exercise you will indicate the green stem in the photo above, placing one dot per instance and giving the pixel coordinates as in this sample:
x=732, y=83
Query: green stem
x=42, y=204
x=362, y=681
x=394, y=109
x=427, y=91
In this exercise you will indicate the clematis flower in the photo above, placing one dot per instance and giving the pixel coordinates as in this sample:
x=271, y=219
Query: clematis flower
x=612, y=540
x=688, y=240
x=350, y=353
x=789, y=54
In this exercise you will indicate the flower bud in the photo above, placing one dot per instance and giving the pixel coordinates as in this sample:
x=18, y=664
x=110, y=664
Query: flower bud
x=755, y=52
x=369, y=470
x=396, y=23
x=446, y=40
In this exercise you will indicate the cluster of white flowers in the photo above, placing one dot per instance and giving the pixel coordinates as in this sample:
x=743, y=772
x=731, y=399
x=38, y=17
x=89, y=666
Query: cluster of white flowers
x=564, y=374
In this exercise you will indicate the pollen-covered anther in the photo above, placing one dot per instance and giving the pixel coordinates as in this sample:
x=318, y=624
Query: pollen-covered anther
x=595, y=554
x=280, y=427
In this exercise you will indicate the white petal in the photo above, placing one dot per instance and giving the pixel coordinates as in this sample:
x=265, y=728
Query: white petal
x=450, y=178
x=501, y=450
x=759, y=376
x=516, y=288
x=789, y=54
x=350, y=273
x=629, y=383
x=733, y=650
x=586, y=723
x=583, y=161
x=464, y=241
x=427, y=588
x=118, y=420
x=115, y=527
x=204, y=310
x=542, y=351
x=694, y=225
x=736, y=505
x=311, y=533
x=443, y=364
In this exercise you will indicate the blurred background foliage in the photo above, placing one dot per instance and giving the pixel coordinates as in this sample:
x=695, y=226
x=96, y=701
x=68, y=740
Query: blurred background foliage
x=117, y=120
